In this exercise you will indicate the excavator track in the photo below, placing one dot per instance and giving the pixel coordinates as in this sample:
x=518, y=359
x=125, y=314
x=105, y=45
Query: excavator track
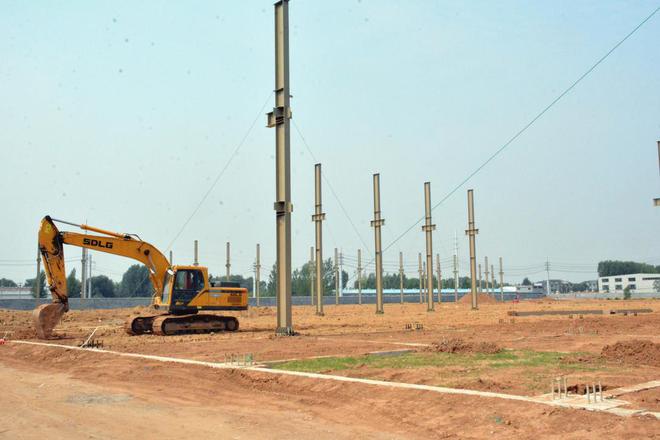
x=140, y=325
x=166, y=325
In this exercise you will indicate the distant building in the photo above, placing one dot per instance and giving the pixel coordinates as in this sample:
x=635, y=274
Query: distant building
x=592, y=285
x=556, y=286
x=637, y=282
x=15, y=292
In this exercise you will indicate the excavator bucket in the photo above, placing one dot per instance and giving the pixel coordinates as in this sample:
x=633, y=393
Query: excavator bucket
x=46, y=317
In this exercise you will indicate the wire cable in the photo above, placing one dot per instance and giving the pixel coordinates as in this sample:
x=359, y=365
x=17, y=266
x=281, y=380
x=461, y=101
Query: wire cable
x=528, y=125
x=332, y=189
x=221, y=173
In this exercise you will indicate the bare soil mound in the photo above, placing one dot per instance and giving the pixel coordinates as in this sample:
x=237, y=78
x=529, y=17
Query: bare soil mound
x=482, y=298
x=635, y=351
x=458, y=345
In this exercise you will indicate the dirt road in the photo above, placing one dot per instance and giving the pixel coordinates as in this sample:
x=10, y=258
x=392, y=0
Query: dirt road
x=49, y=393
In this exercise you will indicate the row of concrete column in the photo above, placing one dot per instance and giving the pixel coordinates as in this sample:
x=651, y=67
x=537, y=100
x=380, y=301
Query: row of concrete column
x=425, y=282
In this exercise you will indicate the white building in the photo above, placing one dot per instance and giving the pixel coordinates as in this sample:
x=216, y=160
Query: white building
x=637, y=282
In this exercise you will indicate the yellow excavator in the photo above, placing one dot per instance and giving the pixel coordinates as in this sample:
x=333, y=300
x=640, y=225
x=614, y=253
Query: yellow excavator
x=180, y=292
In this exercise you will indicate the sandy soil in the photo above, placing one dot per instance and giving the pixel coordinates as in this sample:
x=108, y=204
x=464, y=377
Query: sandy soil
x=240, y=404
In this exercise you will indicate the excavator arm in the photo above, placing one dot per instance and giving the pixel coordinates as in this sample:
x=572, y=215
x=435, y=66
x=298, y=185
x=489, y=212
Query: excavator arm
x=51, y=245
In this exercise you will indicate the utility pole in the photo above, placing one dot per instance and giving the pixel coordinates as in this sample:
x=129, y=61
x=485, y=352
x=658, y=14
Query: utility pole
x=196, y=256
x=257, y=270
x=89, y=277
x=171, y=259
x=318, y=218
x=83, y=275
x=492, y=279
x=37, y=284
x=280, y=118
x=359, y=280
x=455, y=267
x=336, y=276
x=311, y=275
x=501, y=282
x=228, y=264
x=401, y=275
x=455, y=278
x=437, y=259
x=424, y=278
x=341, y=273
x=428, y=228
x=656, y=201
x=486, y=273
x=472, y=231
x=421, y=275
x=377, y=223
x=547, y=269
x=480, y=279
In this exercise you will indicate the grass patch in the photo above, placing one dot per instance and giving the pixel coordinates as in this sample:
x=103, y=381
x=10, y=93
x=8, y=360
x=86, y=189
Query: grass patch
x=504, y=359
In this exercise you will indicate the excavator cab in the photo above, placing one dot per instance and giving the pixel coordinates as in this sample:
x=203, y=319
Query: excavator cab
x=181, y=287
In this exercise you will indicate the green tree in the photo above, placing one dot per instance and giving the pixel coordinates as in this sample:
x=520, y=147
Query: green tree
x=102, y=286
x=271, y=286
x=300, y=279
x=627, y=292
x=73, y=286
x=526, y=282
x=135, y=282
x=42, y=285
x=4, y=282
x=610, y=268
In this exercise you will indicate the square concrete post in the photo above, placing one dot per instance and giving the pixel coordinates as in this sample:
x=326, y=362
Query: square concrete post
x=280, y=118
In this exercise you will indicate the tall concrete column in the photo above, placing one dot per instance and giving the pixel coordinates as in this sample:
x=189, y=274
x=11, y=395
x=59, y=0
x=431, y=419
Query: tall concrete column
x=311, y=275
x=336, y=276
x=377, y=223
x=318, y=218
x=480, y=279
x=428, y=228
x=492, y=278
x=471, y=231
x=341, y=273
x=401, y=275
x=257, y=275
x=196, y=254
x=439, y=271
x=359, y=280
x=83, y=274
x=455, y=278
x=486, y=274
x=228, y=264
x=280, y=118
x=37, y=284
x=420, y=272
x=501, y=282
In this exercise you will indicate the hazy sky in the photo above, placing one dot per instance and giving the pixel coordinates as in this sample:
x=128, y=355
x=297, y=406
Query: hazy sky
x=122, y=114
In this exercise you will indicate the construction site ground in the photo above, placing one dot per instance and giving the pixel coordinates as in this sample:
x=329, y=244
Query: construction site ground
x=52, y=392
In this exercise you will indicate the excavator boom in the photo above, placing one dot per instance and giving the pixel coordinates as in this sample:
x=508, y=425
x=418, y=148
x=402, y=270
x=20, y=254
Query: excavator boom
x=51, y=242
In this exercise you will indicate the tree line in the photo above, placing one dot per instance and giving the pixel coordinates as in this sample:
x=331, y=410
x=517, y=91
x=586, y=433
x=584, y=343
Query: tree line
x=135, y=281
x=610, y=268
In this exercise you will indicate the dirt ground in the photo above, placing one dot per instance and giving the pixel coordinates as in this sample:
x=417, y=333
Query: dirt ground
x=55, y=393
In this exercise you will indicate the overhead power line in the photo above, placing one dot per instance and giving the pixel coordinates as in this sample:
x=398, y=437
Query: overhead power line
x=523, y=129
x=528, y=125
x=332, y=189
x=221, y=173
